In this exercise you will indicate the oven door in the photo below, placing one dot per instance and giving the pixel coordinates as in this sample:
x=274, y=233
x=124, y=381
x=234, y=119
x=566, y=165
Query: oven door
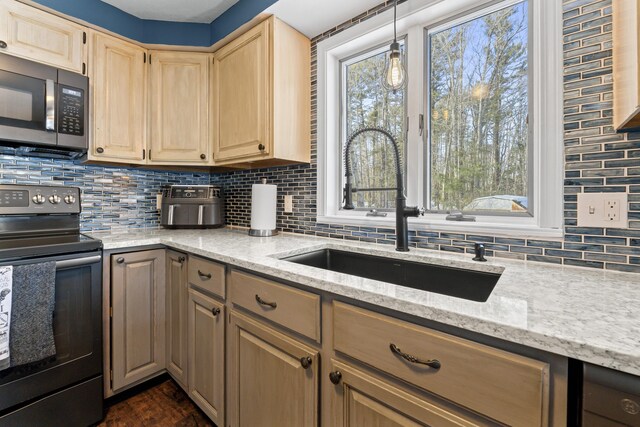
x=77, y=329
x=27, y=101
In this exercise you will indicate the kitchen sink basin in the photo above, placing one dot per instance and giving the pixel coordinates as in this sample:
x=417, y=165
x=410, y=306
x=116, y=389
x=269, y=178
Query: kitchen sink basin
x=456, y=282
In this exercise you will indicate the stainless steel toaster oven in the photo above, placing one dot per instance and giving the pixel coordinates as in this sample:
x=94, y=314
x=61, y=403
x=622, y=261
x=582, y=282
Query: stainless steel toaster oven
x=192, y=206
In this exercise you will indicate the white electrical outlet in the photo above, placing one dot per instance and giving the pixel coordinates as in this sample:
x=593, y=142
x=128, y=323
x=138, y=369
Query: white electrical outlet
x=158, y=201
x=612, y=210
x=607, y=210
x=288, y=203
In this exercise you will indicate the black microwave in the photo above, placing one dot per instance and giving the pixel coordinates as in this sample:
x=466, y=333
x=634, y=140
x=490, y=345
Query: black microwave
x=42, y=108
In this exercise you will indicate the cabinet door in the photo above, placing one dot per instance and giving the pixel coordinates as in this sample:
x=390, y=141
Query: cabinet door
x=179, y=108
x=206, y=355
x=33, y=34
x=177, y=305
x=273, y=378
x=118, y=77
x=242, y=96
x=138, y=323
x=359, y=399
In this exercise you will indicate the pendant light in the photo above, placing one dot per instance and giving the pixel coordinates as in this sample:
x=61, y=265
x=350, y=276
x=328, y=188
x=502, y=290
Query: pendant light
x=395, y=76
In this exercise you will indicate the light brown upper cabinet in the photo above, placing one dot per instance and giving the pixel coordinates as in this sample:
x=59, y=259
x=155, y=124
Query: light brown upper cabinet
x=179, y=108
x=626, y=69
x=33, y=34
x=118, y=78
x=261, y=97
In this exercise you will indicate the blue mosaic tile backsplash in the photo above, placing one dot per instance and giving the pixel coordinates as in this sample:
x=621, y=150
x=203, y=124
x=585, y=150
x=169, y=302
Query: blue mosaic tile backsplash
x=113, y=198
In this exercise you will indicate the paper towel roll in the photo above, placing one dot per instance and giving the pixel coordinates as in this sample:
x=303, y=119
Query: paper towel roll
x=263, y=207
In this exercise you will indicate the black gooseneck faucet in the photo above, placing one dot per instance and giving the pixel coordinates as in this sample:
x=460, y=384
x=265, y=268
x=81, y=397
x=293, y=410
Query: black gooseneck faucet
x=402, y=210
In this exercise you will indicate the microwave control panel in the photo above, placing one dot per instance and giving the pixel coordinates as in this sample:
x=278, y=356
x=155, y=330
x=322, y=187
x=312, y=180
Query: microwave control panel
x=71, y=111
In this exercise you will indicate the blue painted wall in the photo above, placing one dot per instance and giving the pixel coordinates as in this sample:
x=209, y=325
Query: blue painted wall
x=160, y=32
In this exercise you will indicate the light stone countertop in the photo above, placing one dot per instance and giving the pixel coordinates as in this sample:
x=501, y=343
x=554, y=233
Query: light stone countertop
x=587, y=314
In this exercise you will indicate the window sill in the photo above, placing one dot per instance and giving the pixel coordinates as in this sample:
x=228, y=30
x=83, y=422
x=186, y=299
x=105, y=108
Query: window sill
x=426, y=224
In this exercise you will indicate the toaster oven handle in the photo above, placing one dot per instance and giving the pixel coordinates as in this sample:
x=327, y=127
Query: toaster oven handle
x=50, y=105
x=170, y=219
x=200, y=214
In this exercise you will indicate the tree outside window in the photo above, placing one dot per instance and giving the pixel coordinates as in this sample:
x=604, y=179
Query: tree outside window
x=479, y=105
x=366, y=103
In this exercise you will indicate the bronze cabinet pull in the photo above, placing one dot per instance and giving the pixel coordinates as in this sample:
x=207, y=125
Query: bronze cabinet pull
x=261, y=147
x=305, y=361
x=432, y=363
x=335, y=377
x=181, y=259
x=263, y=302
x=204, y=275
x=215, y=311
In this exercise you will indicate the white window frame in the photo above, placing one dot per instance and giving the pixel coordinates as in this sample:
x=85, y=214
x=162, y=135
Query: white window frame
x=545, y=95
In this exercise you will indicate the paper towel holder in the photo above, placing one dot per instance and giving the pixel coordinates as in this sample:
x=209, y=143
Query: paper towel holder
x=259, y=232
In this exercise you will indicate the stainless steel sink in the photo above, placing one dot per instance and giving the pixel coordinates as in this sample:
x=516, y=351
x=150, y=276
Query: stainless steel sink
x=467, y=284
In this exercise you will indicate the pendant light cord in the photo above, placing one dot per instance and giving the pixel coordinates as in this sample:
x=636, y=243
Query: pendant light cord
x=395, y=6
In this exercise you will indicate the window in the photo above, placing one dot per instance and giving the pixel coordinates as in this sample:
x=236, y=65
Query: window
x=366, y=103
x=479, y=105
x=480, y=122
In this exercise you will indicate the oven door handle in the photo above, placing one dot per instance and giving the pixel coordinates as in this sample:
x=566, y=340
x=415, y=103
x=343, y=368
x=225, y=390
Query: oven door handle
x=50, y=103
x=77, y=262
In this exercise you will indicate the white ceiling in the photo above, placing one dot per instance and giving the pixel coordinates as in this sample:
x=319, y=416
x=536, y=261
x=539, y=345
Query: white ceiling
x=202, y=11
x=313, y=17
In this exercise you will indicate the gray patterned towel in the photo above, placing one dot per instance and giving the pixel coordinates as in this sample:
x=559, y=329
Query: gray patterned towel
x=33, y=300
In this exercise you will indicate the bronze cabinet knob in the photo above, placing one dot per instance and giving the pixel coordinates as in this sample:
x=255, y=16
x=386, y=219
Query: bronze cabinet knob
x=99, y=150
x=335, y=377
x=203, y=156
x=120, y=260
x=215, y=311
x=305, y=362
x=261, y=147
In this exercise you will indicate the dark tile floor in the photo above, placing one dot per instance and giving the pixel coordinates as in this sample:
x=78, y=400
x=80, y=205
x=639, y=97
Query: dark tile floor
x=159, y=403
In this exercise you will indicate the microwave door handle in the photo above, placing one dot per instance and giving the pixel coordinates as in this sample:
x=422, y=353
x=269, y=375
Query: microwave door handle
x=170, y=219
x=50, y=99
x=200, y=214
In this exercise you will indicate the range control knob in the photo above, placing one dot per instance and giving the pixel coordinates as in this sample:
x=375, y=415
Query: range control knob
x=54, y=199
x=38, y=199
x=69, y=199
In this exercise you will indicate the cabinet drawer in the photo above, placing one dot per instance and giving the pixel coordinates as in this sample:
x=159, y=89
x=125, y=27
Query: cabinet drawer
x=507, y=387
x=207, y=275
x=292, y=308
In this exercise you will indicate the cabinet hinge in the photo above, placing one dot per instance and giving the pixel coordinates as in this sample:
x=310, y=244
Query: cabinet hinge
x=149, y=58
x=421, y=124
x=143, y=153
x=84, y=68
x=144, y=57
x=149, y=150
x=110, y=311
x=84, y=37
x=111, y=378
x=229, y=317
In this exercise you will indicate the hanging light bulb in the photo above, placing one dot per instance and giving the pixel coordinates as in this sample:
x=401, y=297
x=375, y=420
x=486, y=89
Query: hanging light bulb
x=395, y=76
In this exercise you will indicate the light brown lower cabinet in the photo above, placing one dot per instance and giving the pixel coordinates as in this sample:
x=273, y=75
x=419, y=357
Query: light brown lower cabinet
x=176, y=315
x=272, y=378
x=206, y=354
x=360, y=399
x=138, y=322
